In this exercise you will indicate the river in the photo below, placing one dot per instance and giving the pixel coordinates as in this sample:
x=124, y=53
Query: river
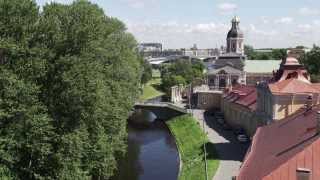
x=152, y=152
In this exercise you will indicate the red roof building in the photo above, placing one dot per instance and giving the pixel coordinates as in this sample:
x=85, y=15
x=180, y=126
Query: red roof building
x=280, y=150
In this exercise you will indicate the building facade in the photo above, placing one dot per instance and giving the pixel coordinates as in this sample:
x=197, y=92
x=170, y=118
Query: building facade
x=231, y=68
x=289, y=90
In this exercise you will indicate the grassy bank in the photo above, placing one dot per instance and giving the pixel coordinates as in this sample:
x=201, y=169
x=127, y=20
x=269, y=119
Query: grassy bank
x=190, y=139
x=152, y=88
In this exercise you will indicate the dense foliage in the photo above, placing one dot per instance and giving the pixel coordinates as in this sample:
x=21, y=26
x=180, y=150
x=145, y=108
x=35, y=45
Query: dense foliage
x=147, y=72
x=180, y=72
x=68, y=78
x=274, y=54
x=312, y=62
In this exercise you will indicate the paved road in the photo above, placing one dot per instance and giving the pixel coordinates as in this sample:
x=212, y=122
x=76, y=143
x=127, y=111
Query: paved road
x=230, y=151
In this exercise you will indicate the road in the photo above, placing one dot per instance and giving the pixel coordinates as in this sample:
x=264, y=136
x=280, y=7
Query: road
x=230, y=151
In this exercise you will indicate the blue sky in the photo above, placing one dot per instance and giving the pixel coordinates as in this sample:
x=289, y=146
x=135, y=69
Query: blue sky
x=181, y=23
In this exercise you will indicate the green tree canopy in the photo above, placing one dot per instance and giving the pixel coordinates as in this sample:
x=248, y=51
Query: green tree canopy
x=69, y=77
x=311, y=60
x=180, y=72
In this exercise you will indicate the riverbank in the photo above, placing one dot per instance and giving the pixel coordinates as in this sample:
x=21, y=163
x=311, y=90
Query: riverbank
x=190, y=139
x=151, y=89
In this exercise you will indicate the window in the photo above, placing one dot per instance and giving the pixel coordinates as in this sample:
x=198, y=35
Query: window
x=303, y=174
x=233, y=46
x=292, y=75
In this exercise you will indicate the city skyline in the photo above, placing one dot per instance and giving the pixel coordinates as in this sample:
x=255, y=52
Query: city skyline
x=180, y=24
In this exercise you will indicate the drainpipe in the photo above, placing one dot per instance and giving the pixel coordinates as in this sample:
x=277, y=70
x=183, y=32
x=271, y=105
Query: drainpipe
x=318, y=122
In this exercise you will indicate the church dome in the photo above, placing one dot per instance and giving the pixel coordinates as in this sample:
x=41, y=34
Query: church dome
x=235, y=31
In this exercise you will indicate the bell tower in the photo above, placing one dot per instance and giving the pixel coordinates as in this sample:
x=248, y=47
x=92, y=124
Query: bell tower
x=235, y=38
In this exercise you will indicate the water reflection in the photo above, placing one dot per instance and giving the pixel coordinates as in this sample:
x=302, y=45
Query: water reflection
x=152, y=153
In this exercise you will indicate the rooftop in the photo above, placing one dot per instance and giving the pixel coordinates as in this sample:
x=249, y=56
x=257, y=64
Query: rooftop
x=243, y=95
x=261, y=66
x=284, y=146
x=293, y=86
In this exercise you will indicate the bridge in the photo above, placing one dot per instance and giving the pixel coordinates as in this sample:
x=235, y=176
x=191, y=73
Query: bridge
x=163, y=110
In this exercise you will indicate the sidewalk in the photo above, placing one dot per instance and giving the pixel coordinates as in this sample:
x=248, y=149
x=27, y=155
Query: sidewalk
x=230, y=151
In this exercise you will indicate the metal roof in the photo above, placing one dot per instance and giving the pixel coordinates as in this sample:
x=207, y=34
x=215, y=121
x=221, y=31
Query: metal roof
x=261, y=66
x=282, y=147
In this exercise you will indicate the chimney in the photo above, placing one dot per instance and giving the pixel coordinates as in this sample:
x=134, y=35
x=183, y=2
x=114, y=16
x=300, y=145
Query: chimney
x=303, y=174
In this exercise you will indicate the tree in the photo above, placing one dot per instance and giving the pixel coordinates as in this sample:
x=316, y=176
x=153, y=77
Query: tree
x=249, y=51
x=311, y=60
x=147, y=72
x=279, y=53
x=27, y=134
x=69, y=78
x=180, y=72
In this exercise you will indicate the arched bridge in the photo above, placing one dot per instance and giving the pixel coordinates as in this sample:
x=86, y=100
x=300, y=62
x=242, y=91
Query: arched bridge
x=163, y=110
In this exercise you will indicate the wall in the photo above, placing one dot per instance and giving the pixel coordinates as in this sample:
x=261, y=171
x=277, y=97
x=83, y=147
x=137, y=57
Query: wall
x=287, y=105
x=176, y=93
x=209, y=100
x=238, y=116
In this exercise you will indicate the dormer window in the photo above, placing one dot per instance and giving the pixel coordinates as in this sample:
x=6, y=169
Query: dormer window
x=303, y=174
x=292, y=75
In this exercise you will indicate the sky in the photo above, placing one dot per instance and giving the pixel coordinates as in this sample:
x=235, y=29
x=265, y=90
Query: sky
x=182, y=23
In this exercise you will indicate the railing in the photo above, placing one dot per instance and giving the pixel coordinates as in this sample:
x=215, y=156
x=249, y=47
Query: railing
x=163, y=104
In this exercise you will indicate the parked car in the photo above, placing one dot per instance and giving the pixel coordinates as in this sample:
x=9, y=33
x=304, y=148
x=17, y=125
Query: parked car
x=242, y=138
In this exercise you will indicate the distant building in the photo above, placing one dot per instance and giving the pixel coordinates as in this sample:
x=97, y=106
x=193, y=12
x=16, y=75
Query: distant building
x=150, y=47
x=231, y=68
x=250, y=107
x=200, y=53
x=155, y=50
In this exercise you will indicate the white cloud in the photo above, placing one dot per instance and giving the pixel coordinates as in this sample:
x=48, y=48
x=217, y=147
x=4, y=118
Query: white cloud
x=227, y=8
x=253, y=30
x=309, y=11
x=316, y=22
x=264, y=19
x=305, y=27
x=284, y=20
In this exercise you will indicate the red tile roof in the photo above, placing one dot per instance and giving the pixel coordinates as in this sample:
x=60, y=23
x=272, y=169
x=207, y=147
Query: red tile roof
x=283, y=146
x=291, y=86
x=243, y=95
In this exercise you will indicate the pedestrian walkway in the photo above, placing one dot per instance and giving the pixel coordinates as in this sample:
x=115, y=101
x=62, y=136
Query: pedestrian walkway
x=230, y=151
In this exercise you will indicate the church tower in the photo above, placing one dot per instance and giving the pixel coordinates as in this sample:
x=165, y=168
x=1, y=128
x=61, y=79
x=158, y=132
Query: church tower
x=235, y=38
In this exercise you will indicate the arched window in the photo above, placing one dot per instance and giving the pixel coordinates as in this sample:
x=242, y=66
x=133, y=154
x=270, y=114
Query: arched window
x=222, y=83
x=233, y=46
x=292, y=75
x=234, y=82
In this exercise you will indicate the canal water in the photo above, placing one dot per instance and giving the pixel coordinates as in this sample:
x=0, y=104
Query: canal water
x=152, y=152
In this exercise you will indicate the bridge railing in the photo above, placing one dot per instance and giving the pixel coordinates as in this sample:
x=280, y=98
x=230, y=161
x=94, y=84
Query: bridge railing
x=163, y=104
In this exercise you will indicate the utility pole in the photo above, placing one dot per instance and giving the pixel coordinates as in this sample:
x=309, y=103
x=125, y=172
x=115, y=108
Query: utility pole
x=190, y=95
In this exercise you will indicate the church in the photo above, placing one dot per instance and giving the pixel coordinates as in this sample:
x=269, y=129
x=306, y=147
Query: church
x=232, y=67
